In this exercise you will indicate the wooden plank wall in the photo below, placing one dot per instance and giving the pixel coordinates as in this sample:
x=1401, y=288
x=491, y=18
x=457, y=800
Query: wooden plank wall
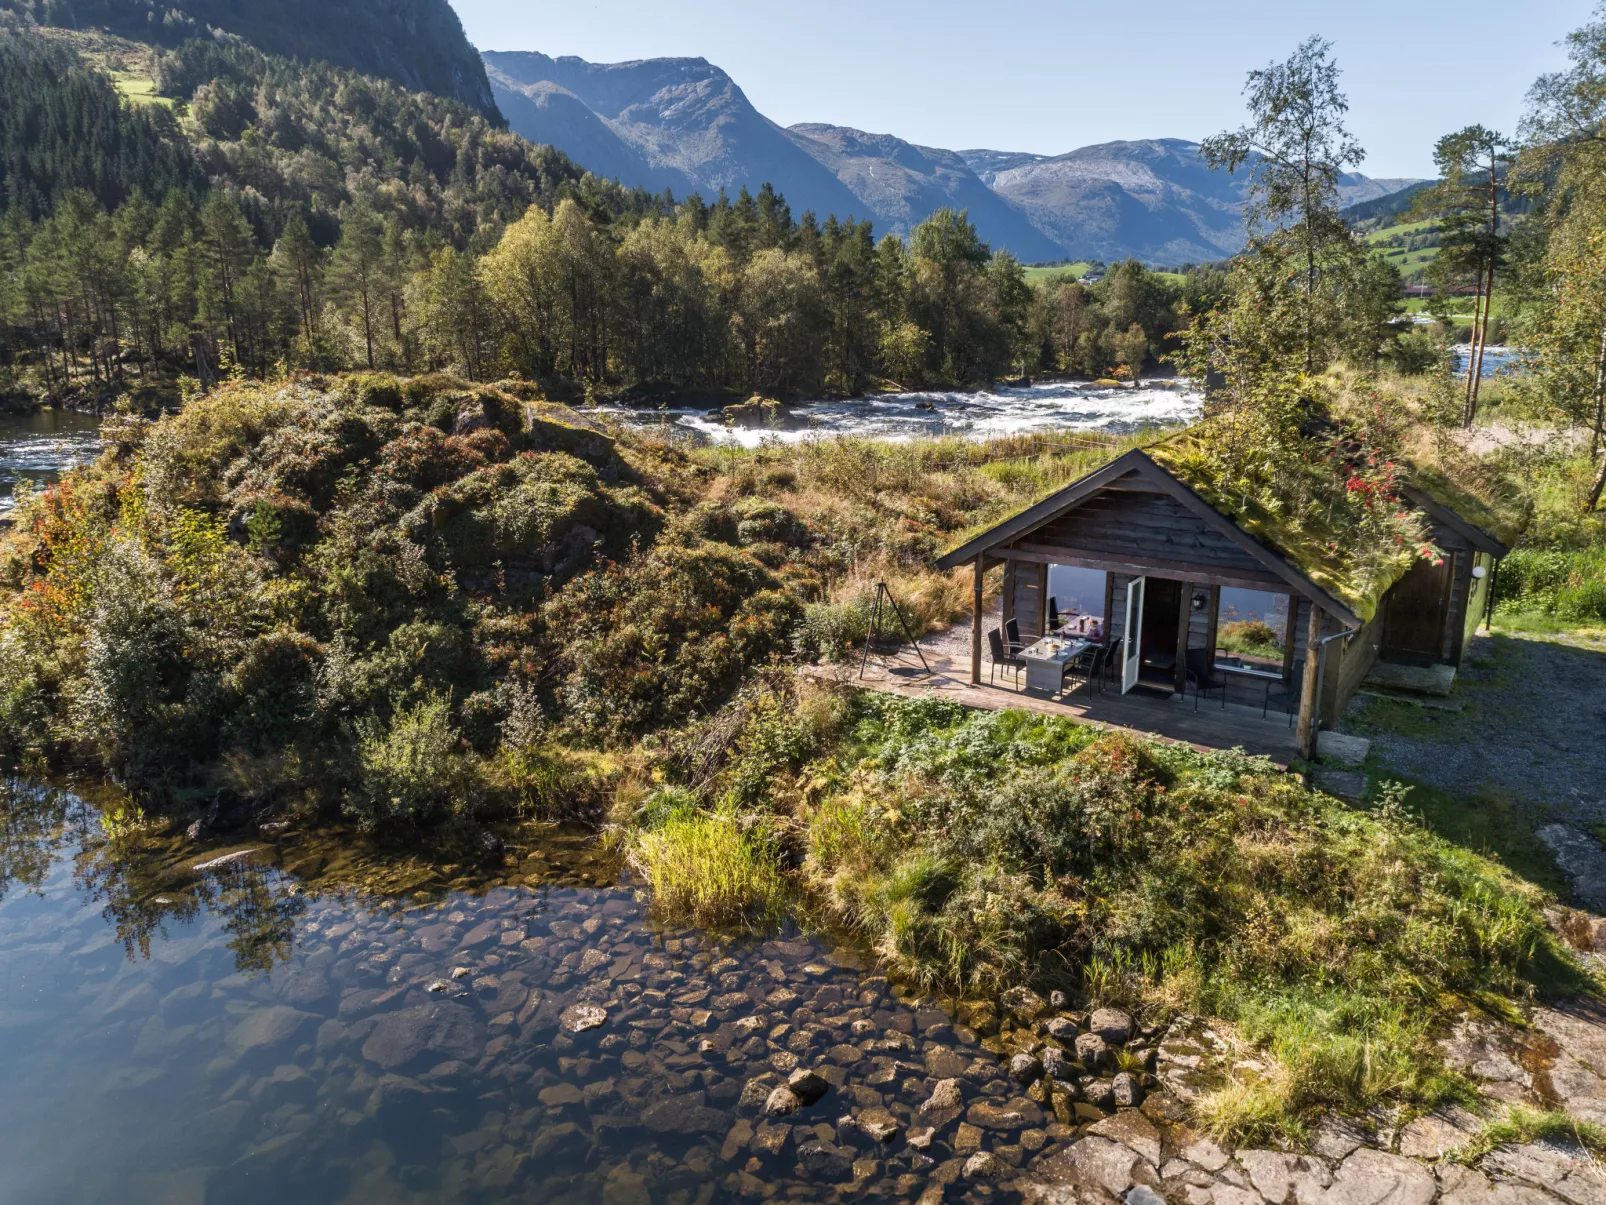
x=1027, y=597
x=1129, y=525
x=1460, y=589
x=1477, y=599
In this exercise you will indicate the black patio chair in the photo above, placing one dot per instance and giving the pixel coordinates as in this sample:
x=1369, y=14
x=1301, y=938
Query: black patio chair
x=995, y=647
x=1112, y=659
x=1202, y=677
x=1091, y=664
x=1285, y=694
x=1012, y=638
x=1053, y=614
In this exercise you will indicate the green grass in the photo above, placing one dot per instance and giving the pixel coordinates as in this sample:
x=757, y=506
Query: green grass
x=702, y=867
x=138, y=89
x=1043, y=276
x=1523, y=1124
x=1484, y=824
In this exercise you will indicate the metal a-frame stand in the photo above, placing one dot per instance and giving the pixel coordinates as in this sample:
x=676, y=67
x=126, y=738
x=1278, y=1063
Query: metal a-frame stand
x=883, y=593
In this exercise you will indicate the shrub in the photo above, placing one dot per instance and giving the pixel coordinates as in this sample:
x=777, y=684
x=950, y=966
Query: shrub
x=411, y=770
x=1253, y=636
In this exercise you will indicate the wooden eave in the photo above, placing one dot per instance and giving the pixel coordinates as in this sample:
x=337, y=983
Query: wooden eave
x=1147, y=474
x=1476, y=536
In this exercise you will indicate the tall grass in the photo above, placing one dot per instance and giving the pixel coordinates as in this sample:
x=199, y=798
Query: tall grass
x=702, y=867
x=1568, y=584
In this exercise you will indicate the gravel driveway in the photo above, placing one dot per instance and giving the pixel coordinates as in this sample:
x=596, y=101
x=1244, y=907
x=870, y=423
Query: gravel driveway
x=1533, y=728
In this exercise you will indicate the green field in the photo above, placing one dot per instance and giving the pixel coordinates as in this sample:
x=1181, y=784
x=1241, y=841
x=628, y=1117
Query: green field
x=1043, y=276
x=138, y=89
x=1393, y=244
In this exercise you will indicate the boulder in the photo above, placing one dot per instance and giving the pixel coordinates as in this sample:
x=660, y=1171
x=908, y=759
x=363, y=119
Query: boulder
x=1128, y=1090
x=808, y=1086
x=781, y=1102
x=265, y=1029
x=946, y=1095
x=984, y=1165
x=878, y=1123
x=442, y=1029
x=824, y=1161
x=1023, y=1004
x=1092, y=1051
x=1111, y=1024
x=1026, y=1069
x=1017, y=1114
x=578, y=1018
x=685, y=1115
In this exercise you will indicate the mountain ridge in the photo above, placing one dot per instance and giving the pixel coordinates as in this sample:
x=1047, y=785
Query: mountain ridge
x=686, y=125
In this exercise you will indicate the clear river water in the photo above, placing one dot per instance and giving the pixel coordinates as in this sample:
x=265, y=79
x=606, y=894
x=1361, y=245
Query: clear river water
x=288, y=1021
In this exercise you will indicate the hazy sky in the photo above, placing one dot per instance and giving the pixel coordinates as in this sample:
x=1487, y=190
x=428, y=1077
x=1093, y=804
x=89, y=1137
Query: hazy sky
x=1026, y=75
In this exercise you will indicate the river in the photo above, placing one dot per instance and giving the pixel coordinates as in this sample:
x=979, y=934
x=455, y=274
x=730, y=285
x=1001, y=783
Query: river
x=312, y=1023
x=1007, y=410
x=39, y=447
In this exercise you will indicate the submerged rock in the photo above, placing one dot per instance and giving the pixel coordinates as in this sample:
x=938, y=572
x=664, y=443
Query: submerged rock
x=578, y=1018
x=808, y=1086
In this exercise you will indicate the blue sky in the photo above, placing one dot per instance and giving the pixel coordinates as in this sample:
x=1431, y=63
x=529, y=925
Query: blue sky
x=1027, y=75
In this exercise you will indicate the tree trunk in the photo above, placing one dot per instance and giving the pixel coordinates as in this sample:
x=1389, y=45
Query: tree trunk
x=1474, y=345
x=1600, y=395
x=1595, y=491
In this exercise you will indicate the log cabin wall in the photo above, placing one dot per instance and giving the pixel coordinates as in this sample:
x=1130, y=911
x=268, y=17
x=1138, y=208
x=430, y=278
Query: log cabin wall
x=1138, y=526
x=1477, y=599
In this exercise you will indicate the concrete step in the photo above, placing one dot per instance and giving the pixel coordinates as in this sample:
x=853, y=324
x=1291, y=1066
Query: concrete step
x=1413, y=679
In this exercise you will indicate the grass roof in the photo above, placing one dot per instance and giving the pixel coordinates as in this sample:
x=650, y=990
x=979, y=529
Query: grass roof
x=1352, y=540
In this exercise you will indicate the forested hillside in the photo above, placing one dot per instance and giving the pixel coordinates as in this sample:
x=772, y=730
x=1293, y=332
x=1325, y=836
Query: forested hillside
x=244, y=211
x=418, y=44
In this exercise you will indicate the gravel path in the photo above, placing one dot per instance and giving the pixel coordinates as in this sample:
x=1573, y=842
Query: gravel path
x=1531, y=728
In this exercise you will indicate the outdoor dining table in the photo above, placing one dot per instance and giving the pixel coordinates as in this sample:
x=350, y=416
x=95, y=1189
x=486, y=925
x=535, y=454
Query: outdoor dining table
x=1046, y=661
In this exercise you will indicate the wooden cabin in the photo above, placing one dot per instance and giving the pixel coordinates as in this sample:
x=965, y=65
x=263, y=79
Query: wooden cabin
x=1168, y=560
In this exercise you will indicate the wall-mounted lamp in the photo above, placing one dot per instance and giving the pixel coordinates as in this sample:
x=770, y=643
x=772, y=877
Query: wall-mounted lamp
x=1201, y=601
x=1479, y=572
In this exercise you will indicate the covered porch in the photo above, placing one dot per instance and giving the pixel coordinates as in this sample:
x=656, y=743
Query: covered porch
x=1154, y=576
x=1156, y=711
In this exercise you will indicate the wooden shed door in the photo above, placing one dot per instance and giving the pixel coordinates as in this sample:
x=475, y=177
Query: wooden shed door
x=1415, y=610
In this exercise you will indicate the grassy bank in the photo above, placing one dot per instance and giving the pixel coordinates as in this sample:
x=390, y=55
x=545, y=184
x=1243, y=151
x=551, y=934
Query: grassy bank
x=977, y=850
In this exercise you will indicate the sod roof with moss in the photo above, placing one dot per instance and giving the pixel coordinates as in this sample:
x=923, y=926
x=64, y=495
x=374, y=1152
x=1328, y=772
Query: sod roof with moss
x=1327, y=545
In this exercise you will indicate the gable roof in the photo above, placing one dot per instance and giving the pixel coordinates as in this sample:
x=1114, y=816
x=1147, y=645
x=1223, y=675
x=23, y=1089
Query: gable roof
x=1139, y=463
x=1423, y=494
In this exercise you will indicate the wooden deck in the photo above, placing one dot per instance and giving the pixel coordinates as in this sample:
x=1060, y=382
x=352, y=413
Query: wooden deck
x=1149, y=713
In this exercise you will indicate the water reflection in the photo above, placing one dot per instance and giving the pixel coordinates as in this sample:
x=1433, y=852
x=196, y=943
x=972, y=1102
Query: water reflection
x=235, y=1034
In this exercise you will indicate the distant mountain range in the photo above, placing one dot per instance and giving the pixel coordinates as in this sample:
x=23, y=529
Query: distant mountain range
x=685, y=125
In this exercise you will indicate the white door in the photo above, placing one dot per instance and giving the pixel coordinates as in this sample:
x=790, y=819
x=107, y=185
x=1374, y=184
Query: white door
x=1132, y=650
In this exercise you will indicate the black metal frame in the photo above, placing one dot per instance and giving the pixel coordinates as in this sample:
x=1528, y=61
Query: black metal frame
x=881, y=591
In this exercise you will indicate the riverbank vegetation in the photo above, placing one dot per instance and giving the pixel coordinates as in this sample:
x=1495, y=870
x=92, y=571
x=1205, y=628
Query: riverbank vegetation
x=979, y=850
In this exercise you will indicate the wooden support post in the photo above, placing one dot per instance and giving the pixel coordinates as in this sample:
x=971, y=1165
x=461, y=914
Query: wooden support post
x=1307, y=689
x=975, y=624
x=1184, y=622
x=1290, y=637
x=1109, y=605
x=1212, y=627
x=1042, y=600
